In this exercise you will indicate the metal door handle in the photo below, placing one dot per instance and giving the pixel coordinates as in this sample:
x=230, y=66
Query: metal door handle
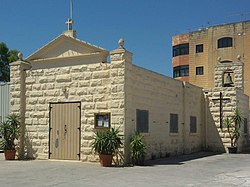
x=65, y=129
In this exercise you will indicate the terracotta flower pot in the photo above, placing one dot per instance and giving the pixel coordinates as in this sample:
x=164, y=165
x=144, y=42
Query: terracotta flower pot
x=232, y=149
x=106, y=160
x=10, y=154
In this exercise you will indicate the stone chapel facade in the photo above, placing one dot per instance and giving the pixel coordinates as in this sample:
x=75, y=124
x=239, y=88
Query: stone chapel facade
x=67, y=90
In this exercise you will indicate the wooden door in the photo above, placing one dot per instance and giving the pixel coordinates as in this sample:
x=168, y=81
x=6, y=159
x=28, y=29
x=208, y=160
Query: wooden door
x=65, y=131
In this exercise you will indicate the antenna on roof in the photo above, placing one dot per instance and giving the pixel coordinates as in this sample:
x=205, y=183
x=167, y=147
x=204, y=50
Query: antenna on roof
x=243, y=15
x=70, y=21
x=71, y=9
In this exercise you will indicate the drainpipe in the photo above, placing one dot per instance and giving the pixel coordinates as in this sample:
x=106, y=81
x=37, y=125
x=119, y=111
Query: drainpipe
x=183, y=117
x=205, y=120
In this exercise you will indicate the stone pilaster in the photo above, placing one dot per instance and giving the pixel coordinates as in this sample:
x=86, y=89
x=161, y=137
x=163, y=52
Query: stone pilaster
x=18, y=98
x=121, y=61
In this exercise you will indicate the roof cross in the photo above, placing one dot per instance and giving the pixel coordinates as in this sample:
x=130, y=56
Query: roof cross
x=69, y=22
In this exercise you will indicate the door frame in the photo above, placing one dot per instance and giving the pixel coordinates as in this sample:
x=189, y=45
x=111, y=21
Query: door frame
x=79, y=128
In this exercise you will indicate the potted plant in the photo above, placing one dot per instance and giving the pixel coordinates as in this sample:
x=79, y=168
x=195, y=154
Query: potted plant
x=9, y=131
x=106, y=143
x=137, y=149
x=232, y=125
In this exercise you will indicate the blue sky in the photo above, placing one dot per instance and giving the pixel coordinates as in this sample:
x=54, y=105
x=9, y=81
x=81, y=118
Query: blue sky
x=147, y=26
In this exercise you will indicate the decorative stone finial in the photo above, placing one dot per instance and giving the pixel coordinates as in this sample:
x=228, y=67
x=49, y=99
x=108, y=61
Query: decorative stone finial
x=219, y=59
x=20, y=56
x=238, y=57
x=121, y=43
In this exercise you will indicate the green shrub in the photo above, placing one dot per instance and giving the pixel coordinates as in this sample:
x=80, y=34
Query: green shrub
x=137, y=149
x=9, y=132
x=107, y=142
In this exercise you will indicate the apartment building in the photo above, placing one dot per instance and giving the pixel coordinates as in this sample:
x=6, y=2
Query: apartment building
x=195, y=54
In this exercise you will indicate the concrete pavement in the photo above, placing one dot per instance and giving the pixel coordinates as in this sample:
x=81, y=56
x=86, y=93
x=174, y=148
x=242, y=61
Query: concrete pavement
x=201, y=169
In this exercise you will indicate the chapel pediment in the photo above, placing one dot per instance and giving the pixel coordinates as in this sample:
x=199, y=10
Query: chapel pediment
x=65, y=47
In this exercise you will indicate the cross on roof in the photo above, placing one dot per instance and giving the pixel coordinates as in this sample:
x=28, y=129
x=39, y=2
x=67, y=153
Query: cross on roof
x=69, y=22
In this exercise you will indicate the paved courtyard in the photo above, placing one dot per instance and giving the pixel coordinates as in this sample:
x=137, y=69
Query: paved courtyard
x=199, y=169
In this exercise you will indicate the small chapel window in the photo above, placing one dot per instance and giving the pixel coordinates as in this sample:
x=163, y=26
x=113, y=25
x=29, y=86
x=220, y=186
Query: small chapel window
x=102, y=120
x=142, y=121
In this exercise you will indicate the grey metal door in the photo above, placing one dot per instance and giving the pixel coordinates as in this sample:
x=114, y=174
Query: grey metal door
x=65, y=131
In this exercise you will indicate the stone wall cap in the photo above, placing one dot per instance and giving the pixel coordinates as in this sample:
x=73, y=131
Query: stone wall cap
x=16, y=63
x=20, y=62
x=120, y=50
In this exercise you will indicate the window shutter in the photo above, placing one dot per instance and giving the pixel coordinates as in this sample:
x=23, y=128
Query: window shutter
x=145, y=117
x=142, y=121
x=193, y=124
x=138, y=121
x=245, y=125
x=173, y=123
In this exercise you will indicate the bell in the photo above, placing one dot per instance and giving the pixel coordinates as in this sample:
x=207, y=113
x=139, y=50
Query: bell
x=228, y=82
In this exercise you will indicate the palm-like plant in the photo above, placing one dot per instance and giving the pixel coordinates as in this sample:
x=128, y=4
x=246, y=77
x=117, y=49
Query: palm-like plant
x=9, y=132
x=137, y=149
x=233, y=124
x=107, y=142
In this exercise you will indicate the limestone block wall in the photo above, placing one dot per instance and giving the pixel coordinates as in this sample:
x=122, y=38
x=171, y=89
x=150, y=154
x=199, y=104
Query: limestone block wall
x=161, y=95
x=15, y=89
x=98, y=86
x=217, y=138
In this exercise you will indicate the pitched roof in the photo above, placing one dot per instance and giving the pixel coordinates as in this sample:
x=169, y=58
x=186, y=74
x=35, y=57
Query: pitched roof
x=65, y=46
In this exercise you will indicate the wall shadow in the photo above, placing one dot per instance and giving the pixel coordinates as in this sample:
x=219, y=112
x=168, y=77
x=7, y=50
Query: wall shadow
x=179, y=160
